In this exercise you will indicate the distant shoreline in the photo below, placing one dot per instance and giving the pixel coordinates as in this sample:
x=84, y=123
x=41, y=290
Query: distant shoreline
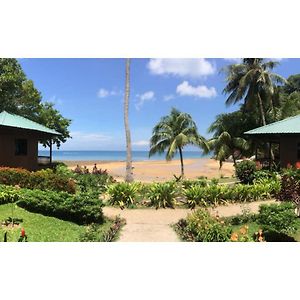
x=160, y=170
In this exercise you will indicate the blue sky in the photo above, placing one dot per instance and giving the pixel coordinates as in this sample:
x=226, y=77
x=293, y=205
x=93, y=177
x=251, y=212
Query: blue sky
x=90, y=92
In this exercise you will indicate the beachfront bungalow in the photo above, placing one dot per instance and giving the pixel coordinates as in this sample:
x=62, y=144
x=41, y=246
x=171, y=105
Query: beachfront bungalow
x=283, y=137
x=19, y=138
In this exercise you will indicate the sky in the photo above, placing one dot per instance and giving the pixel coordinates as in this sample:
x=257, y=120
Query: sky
x=90, y=92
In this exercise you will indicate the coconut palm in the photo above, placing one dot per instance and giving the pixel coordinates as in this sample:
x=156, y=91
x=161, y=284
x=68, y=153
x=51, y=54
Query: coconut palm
x=253, y=81
x=225, y=146
x=173, y=133
x=128, y=177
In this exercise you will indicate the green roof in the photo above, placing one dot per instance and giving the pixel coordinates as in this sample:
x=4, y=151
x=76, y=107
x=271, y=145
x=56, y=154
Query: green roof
x=12, y=120
x=287, y=126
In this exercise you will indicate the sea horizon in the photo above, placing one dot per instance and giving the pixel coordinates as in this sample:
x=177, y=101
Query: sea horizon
x=114, y=155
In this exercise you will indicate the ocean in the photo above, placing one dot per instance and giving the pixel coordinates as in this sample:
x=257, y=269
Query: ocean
x=113, y=155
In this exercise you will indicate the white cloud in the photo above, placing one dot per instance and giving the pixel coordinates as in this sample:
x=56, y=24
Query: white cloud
x=168, y=97
x=103, y=93
x=141, y=143
x=147, y=96
x=191, y=67
x=200, y=91
x=87, y=140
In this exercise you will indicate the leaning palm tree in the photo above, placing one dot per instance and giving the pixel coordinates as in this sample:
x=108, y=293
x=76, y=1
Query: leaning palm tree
x=173, y=133
x=128, y=177
x=225, y=146
x=253, y=81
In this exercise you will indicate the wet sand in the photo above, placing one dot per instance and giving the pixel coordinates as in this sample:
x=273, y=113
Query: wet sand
x=160, y=170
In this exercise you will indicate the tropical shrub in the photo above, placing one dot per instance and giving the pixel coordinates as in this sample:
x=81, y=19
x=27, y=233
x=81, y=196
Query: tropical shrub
x=162, y=195
x=195, y=195
x=280, y=218
x=245, y=171
x=93, y=182
x=222, y=194
x=290, y=186
x=44, y=179
x=123, y=194
x=99, y=233
x=200, y=226
x=81, y=208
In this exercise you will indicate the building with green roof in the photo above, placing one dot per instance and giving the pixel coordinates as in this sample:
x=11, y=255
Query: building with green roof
x=19, y=138
x=283, y=138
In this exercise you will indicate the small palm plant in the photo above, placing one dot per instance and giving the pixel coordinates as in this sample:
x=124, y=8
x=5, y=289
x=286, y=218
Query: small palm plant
x=173, y=133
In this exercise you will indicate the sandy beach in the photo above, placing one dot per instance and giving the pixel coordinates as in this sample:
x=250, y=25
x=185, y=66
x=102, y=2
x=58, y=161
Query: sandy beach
x=160, y=170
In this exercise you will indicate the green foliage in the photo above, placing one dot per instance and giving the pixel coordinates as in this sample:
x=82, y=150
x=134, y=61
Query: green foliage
x=18, y=95
x=51, y=118
x=195, y=195
x=95, y=183
x=245, y=171
x=290, y=186
x=173, y=133
x=44, y=179
x=106, y=232
x=279, y=218
x=222, y=194
x=123, y=194
x=82, y=208
x=200, y=226
x=8, y=196
x=39, y=228
x=162, y=195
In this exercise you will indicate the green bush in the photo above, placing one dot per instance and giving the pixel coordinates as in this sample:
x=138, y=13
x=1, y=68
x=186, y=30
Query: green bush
x=200, y=226
x=162, y=195
x=290, y=186
x=280, y=218
x=82, y=208
x=222, y=194
x=123, y=194
x=44, y=179
x=93, y=182
x=195, y=195
x=245, y=171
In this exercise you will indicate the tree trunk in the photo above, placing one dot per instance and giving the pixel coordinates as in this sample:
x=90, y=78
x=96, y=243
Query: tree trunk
x=261, y=108
x=128, y=177
x=181, y=161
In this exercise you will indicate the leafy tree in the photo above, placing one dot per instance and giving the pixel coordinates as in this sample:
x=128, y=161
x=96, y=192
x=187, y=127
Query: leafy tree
x=228, y=138
x=51, y=117
x=253, y=82
x=292, y=84
x=18, y=95
x=173, y=133
x=128, y=177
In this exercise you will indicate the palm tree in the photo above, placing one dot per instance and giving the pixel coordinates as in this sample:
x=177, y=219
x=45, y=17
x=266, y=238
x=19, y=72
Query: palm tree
x=173, y=133
x=253, y=81
x=225, y=145
x=128, y=177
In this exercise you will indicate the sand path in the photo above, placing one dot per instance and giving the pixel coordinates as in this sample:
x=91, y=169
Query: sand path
x=150, y=225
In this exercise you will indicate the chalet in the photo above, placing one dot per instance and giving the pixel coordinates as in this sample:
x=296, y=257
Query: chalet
x=283, y=137
x=19, y=138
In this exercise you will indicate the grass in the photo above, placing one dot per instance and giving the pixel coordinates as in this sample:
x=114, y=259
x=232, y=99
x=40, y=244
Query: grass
x=40, y=228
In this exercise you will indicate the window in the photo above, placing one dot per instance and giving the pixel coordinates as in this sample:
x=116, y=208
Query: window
x=21, y=147
x=298, y=151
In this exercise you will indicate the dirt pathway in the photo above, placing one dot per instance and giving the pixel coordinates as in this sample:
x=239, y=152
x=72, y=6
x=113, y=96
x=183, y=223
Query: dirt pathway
x=150, y=225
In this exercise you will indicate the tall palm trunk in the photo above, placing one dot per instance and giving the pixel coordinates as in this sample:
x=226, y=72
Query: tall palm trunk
x=261, y=108
x=181, y=161
x=128, y=177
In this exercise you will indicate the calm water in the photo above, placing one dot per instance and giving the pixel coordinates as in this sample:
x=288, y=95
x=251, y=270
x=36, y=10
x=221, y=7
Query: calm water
x=113, y=155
